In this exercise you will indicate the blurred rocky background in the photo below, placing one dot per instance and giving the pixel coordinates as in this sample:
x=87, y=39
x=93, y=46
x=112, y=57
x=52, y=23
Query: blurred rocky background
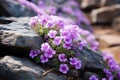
x=104, y=16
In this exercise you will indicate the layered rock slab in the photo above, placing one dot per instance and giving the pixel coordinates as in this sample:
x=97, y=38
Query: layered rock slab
x=14, y=68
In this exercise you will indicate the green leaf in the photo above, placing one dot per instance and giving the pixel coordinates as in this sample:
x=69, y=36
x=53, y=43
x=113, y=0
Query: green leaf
x=41, y=32
x=37, y=59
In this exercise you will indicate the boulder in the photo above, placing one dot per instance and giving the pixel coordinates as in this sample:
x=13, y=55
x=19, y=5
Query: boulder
x=14, y=68
x=105, y=14
x=91, y=60
x=13, y=8
x=18, y=36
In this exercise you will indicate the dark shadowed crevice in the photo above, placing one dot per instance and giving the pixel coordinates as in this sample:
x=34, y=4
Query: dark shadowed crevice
x=14, y=51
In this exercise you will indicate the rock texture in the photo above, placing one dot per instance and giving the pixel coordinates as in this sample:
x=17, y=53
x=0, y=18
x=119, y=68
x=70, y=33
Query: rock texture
x=13, y=8
x=19, y=34
x=105, y=14
x=14, y=68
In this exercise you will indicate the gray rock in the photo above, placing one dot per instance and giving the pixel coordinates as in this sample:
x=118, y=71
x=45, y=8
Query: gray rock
x=13, y=8
x=14, y=68
x=91, y=60
x=105, y=14
x=19, y=34
x=88, y=74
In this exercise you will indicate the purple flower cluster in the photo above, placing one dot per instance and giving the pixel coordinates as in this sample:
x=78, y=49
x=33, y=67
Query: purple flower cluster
x=48, y=52
x=70, y=11
x=108, y=74
x=68, y=33
x=75, y=62
x=113, y=68
x=90, y=39
x=60, y=39
x=71, y=8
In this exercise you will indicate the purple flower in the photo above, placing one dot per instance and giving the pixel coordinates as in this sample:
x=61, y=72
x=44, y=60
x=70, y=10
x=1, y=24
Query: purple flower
x=108, y=74
x=85, y=32
x=43, y=59
x=64, y=68
x=73, y=61
x=60, y=23
x=49, y=53
x=45, y=46
x=57, y=40
x=62, y=58
x=52, y=33
x=94, y=45
x=90, y=38
x=93, y=77
x=78, y=65
x=67, y=40
x=107, y=56
x=50, y=24
x=43, y=19
x=81, y=44
x=51, y=10
x=67, y=46
x=118, y=74
x=33, y=21
x=64, y=33
x=33, y=53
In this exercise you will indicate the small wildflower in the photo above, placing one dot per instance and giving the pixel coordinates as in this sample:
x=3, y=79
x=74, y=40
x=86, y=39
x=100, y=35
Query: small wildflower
x=57, y=40
x=33, y=53
x=52, y=33
x=64, y=68
x=67, y=40
x=67, y=46
x=78, y=65
x=44, y=46
x=62, y=57
x=33, y=21
x=49, y=53
x=73, y=61
x=43, y=59
x=81, y=44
